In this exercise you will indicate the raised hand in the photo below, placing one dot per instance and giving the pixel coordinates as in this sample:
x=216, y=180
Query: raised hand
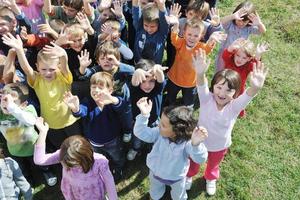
x=71, y=101
x=139, y=76
x=6, y=99
x=175, y=14
x=238, y=43
x=106, y=28
x=214, y=17
x=84, y=59
x=144, y=105
x=218, y=36
x=258, y=76
x=104, y=98
x=199, y=135
x=261, y=49
x=200, y=62
x=157, y=69
x=118, y=8
x=160, y=4
x=63, y=39
x=238, y=15
x=42, y=126
x=83, y=20
x=255, y=19
x=54, y=50
x=113, y=60
x=12, y=41
x=46, y=28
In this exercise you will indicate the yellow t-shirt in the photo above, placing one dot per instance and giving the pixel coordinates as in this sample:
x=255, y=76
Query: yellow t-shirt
x=182, y=72
x=50, y=94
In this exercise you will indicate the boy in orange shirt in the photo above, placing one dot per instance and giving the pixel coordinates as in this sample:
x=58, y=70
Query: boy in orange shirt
x=182, y=75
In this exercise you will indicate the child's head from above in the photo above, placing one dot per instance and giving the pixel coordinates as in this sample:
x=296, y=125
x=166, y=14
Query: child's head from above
x=76, y=151
x=197, y=9
x=225, y=86
x=249, y=7
x=177, y=123
x=151, y=19
x=8, y=21
x=18, y=92
x=76, y=36
x=103, y=55
x=105, y=14
x=193, y=32
x=244, y=54
x=57, y=25
x=47, y=65
x=72, y=7
x=147, y=85
x=101, y=82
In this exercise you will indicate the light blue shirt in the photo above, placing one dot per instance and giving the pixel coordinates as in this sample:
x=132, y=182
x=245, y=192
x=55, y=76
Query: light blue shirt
x=167, y=160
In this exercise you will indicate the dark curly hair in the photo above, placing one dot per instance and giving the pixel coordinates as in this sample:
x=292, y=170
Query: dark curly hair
x=182, y=122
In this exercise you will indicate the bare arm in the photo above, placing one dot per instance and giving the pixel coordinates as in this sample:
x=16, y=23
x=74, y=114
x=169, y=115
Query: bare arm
x=47, y=6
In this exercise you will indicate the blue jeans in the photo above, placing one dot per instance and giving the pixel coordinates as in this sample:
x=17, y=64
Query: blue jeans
x=114, y=151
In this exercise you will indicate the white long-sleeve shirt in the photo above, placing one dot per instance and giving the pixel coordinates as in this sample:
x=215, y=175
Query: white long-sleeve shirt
x=219, y=123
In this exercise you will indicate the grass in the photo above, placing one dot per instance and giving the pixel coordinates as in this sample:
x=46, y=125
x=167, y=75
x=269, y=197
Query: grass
x=264, y=160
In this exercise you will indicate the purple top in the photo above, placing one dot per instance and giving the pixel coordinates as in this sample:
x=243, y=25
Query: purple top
x=77, y=185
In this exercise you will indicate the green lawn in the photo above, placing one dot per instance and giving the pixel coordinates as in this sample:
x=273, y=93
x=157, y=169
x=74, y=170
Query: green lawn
x=264, y=160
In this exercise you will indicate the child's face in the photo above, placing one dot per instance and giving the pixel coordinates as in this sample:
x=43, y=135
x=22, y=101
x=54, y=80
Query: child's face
x=240, y=23
x=148, y=85
x=106, y=63
x=150, y=27
x=190, y=14
x=47, y=71
x=241, y=58
x=96, y=89
x=222, y=93
x=192, y=36
x=165, y=128
x=70, y=12
x=78, y=42
x=105, y=14
x=6, y=25
x=7, y=90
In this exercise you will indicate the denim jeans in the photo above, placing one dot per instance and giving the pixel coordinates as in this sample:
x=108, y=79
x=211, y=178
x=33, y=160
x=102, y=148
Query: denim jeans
x=114, y=151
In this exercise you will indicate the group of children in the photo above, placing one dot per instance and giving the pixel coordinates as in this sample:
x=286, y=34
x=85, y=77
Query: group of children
x=92, y=70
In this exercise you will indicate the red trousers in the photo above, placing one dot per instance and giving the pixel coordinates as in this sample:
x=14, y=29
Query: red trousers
x=212, y=170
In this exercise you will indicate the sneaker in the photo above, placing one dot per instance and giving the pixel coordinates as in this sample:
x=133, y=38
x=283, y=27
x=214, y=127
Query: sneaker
x=188, y=183
x=50, y=178
x=131, y=154
x=211, y=187
x=127, y=137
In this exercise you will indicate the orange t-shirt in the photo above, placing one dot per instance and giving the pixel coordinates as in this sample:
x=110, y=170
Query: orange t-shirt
x=182, y=73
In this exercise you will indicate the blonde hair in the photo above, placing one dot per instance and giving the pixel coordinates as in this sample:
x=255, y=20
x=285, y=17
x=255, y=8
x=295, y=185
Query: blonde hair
x=102, y=78
x=46, y=58
x=74, y=30
x=7, y=13
x=57, y=25
x=150, y=13
x=194, y=23
x=249, y=48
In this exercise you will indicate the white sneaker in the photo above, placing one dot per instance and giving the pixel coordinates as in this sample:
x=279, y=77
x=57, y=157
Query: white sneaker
x=188, y=183
x=131, y=154
x=211, y=187
x=127, y=137
x=50, y=178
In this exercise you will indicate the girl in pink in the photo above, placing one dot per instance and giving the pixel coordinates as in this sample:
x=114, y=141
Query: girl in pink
x=85, y=174
x=220, y=107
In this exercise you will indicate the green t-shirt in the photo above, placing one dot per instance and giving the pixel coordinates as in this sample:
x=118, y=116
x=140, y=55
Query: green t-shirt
x=20, y=138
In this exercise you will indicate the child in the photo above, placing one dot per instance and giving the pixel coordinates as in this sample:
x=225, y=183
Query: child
x=108, y=59
x=11, y=19
x=175, y=140
x=69, y=9
x=240, y=56
x=50, y=83
x=182, y=75
x=85, y=174
x=151, y=30
x=223, y=104
x=101, y=112
x=243, y=22
x=147, y=81
x=12, y=181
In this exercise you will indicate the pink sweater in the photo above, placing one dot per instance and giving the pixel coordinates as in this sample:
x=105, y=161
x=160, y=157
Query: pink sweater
x=75, y=184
